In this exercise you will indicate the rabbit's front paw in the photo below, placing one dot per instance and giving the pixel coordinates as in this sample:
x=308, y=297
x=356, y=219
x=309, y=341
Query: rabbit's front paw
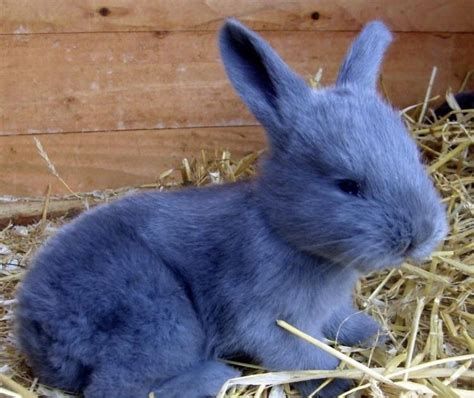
x=377, y=339
x=332, y=390
x=360, y=329
x=366, y=332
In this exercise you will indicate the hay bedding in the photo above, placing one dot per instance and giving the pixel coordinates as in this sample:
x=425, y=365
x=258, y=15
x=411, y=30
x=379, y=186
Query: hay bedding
x=426, y=308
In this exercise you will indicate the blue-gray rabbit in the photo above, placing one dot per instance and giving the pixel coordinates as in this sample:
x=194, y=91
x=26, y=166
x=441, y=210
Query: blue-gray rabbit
x=147, y=293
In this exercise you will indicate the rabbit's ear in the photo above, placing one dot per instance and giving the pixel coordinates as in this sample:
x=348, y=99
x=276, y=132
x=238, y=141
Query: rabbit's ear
x=362, y=63
x=259, y=75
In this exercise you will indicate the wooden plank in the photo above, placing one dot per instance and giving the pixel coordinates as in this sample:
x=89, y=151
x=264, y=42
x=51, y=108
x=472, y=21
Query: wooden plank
x=111, y=159
x=28, y=211
x=47, y=16
x=122, y=81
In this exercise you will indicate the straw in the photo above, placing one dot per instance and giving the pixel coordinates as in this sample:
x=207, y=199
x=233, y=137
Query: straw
x=426, y=308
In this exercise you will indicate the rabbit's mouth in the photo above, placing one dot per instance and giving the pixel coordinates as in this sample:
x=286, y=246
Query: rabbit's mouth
x=380, y=264
x=366, y=262
x=415, y=257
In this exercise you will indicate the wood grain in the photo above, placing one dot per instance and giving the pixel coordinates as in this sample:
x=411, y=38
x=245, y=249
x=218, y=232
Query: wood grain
x=120, y=90
x=121, y=81
x=47, y=16
x=111, y=159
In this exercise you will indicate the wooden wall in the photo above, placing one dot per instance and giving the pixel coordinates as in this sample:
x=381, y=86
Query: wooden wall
x=120, y=90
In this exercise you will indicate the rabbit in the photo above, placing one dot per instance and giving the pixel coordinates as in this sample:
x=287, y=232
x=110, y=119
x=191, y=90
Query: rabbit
x=464, y=99
x=150, y=292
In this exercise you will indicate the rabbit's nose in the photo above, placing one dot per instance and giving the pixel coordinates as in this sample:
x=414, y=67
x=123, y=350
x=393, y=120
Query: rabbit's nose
x=422, y=235
x=411, y=251
x=408, y=247
x=423, y=232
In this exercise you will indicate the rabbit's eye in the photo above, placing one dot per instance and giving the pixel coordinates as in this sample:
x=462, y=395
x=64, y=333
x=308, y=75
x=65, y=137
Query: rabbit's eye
x=350, y=187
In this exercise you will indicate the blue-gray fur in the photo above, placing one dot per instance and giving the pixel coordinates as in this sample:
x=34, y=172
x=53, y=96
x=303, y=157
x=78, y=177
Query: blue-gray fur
x=148, y=292
x=362, y=63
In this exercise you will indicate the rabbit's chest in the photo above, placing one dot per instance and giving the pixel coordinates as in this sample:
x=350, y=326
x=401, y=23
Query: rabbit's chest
x=306, y=310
